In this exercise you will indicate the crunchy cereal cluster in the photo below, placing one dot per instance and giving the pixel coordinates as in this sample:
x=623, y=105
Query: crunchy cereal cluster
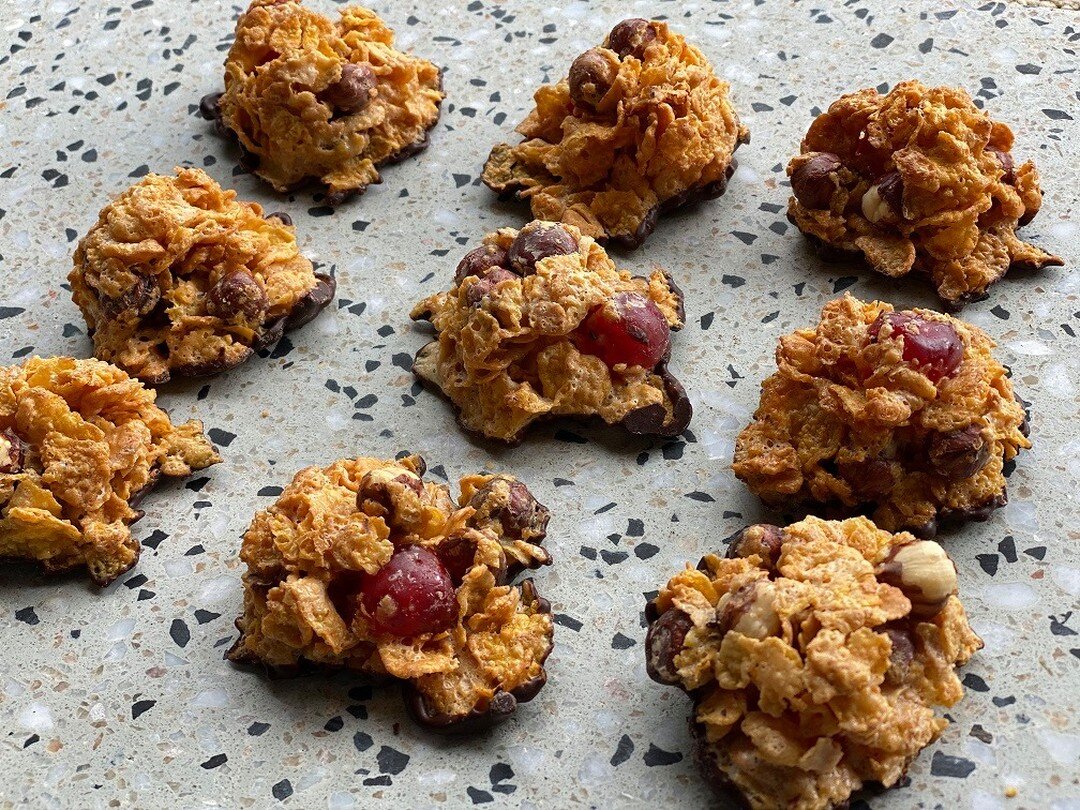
x=641, y=125
x=179, y=278
x=918, y=180
x=518, y=340
x=366, y=566
x=81, y=443
x=815, y=655
x=907, y=414
x=308, y=97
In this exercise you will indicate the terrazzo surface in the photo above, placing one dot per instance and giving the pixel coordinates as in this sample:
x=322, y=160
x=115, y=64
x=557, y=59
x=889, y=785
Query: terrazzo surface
x=121, y=697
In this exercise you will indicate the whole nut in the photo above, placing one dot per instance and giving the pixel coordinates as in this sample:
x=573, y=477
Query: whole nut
x=748, y=611
x=381, y=488
x=1008, y=168
x=631, y=37
x=762, y=539
x=237, y=295
x=924, y=572
x=870, y=479
x=958, y=454
x=480, y=290
x=883, y=203
x=139, y=299
x=814, y=181
x=12, y=453
x=353, y=91
x=663, y=642
x=538, y=241
x=510, y=503
x=901, y=656
x=591, y=76
x=479, y=260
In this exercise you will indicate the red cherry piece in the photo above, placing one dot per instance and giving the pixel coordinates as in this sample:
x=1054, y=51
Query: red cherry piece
x=629, y=328
x=411, y=594
x=933, y=347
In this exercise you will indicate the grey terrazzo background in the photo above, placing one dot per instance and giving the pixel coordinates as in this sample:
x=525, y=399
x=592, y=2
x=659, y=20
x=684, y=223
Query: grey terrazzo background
x=121, y=698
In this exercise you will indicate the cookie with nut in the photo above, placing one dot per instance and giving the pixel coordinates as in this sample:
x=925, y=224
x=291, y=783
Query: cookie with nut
x=640, y=126
x=313, y=99
x=918, y=180
x=179, y=278
x=541, y=323
x=906, y=416
x=815, y=656
x=366, y=566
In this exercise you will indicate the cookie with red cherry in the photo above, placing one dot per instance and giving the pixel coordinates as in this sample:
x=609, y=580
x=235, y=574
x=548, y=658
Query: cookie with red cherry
x=905, y=416
x=366, y=566
x=540, y=323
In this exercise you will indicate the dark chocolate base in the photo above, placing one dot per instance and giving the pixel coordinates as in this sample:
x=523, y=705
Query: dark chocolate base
x=833, y=254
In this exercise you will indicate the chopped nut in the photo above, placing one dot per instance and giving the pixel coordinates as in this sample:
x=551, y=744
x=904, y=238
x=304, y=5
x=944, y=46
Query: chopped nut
x=748, y=611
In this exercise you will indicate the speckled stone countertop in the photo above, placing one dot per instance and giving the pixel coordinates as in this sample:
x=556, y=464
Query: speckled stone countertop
x=121, y=698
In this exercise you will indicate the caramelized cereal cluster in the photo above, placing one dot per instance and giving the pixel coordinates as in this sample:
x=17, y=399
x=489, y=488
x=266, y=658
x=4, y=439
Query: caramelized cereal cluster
x=541, y=323
x=366, y=566
x=179, y=278
x=81, y=443
x=906, y=414
x=310, y=98
x=814, y=655
x=640, y=125
x=918, y=180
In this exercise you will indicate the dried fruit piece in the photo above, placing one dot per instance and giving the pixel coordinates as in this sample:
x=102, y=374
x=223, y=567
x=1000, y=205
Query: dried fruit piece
x=628, y=329
x=931, y=346
x=411, y=594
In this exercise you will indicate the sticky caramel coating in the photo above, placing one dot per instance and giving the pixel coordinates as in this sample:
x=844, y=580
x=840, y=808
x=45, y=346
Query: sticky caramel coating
x=307, y=556
x=840, y=401
x=80, y=444
x=960, y=199
x=294, y=102
x=510, y=360
x=179, y=278
x=811, y=676
x=623, y=139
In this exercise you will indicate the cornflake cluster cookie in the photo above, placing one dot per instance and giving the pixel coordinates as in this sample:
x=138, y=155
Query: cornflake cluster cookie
x=640, y=126
x=541, y=323
x=815, y=656
x=918, y=180
x=179, y=278
x=366, y=566
x=81, y=443
x=904, y=414
x=309, y=98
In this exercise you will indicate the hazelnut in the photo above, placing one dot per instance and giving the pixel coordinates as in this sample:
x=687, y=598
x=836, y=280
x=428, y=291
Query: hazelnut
x=479, y=260
x=958, y=454
x=762, y=539
x=236, y=296
x=591, y=76
x=749, y=611
x=519, y=514
x=814, y=181
x=538, y=241
x=12, y=453
x=901, y=656
x=381, y=488
x=477, y=292
x=883, y=203
x=924, y=572
x=1008, y=168
x=353, y=91
x=663, y=642
x=631, y=37
x=870, y=479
